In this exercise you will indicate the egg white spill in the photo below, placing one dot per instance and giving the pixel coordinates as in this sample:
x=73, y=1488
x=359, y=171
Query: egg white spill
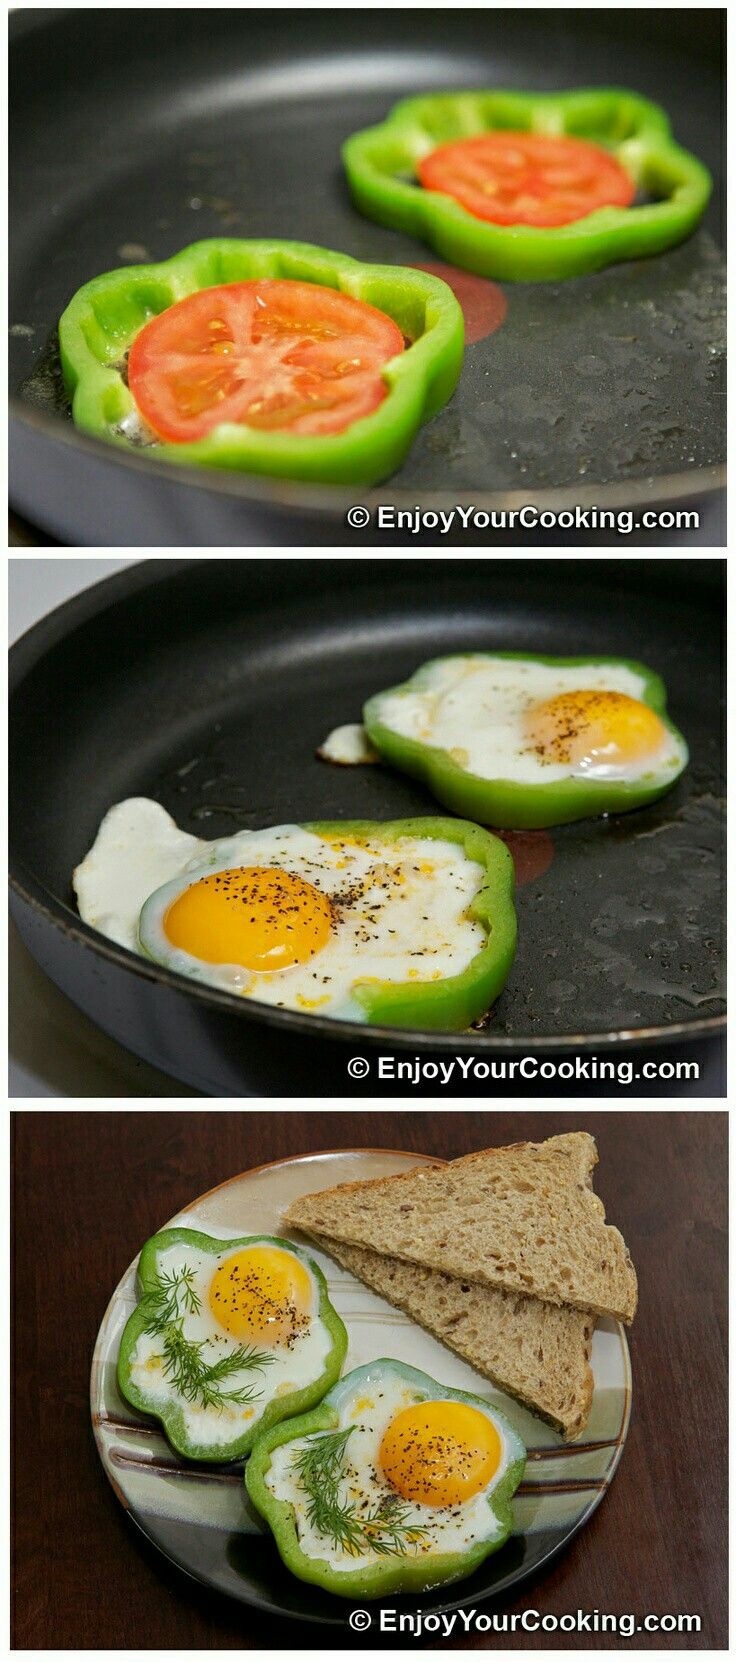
x=136, y=430
x=399, y=911
x=137, y=848
x=348, y=746
x=474, y=707
x=370, y=1408
x=292, y=1368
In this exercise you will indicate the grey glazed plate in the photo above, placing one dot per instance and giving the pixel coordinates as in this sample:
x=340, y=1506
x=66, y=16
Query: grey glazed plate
x=200, y=1518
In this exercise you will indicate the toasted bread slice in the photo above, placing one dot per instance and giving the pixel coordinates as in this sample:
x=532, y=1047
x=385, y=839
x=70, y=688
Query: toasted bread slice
x=538, y=1353
x=522, y=1219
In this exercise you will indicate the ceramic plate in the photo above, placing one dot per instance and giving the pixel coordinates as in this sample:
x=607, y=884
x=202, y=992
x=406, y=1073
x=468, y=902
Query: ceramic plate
x=200, y=1517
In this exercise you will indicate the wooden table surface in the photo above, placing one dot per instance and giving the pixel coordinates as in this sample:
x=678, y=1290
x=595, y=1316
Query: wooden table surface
x=90, y=1187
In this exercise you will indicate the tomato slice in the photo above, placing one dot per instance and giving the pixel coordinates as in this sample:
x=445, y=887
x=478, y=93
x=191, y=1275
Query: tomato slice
x=278, y=354
x=527, y=178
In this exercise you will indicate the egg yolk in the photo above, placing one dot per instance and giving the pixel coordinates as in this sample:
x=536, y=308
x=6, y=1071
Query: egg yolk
x=594, y=728
x=261, y=1293
x=440, y=1453
x=260, y=917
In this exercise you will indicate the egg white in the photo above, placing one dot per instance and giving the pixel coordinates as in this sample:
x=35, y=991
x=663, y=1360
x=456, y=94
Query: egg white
x=137, y=848
x=348, y=746
x=408, y=923
x=292, y=1368
x=473, y=706
x=370, y=1405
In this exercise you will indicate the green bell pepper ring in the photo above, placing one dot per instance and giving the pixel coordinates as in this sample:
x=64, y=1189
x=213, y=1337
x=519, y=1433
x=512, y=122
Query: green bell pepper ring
x=452, y=1004
x=411, y=1571
x=514, y=804
x=103, y=318
x=381, y=162
x=172, y=1412
x=449, y=1004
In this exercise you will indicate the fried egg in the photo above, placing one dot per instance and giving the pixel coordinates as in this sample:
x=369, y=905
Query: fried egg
x=522, y=743
x=288, y=916
x=535, y=722
x=255, y=1298
x=446, y=1462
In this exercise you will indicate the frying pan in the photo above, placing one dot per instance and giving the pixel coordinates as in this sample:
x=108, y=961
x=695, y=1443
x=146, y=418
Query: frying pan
x=135, y=132
x=209, y=684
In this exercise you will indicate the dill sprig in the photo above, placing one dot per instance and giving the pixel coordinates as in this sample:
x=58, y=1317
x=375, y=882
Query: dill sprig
x=385, y=1529
x=200, y=1381
x=165, y=1305
x=170, y=1298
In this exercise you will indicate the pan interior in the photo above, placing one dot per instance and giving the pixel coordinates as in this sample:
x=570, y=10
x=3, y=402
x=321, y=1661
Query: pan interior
x=129, y=143
x=209, y=686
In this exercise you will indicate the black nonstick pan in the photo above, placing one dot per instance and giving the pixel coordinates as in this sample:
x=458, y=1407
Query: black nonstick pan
x=209, y=684
x=137, y=131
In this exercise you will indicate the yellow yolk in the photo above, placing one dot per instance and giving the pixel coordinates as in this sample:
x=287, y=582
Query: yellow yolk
x=594, y=727
x=440, y=1453
x=261, y=1293
x=260, y=917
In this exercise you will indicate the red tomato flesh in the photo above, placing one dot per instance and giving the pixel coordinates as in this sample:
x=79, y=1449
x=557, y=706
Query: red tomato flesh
x=279, y=355
x=527, y=178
